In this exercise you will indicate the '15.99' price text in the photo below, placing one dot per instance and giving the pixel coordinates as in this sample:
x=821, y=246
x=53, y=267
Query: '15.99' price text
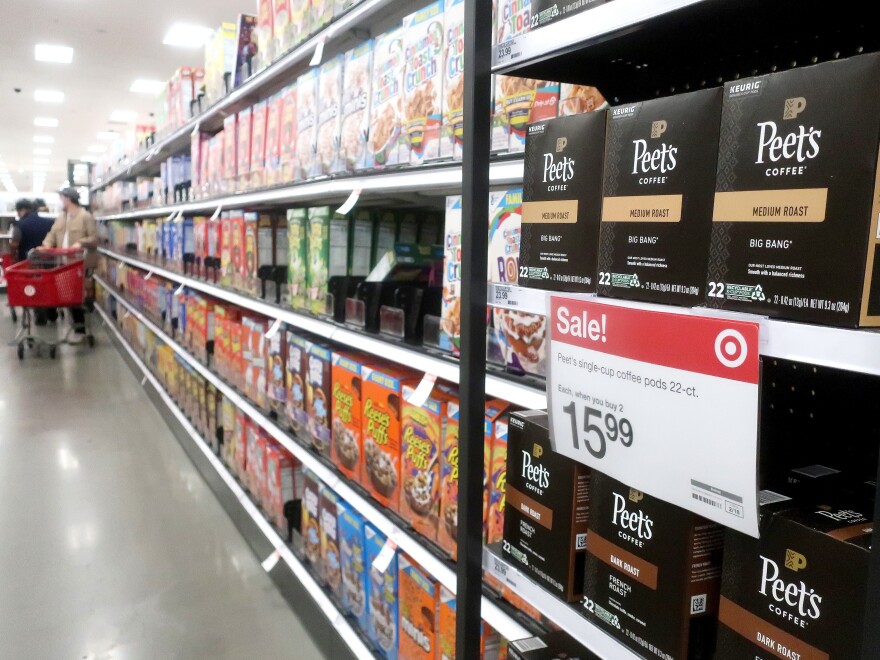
x=598, y=429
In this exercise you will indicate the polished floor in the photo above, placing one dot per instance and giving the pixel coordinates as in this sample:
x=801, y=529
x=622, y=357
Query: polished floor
x=111, y=545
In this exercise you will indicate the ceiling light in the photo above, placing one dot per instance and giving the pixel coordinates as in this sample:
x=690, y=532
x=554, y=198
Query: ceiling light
x=97, y=148
x=143, y=86
x=59, y=54
x=89, y=158
x=108, y=135
x=187, y=35
x=48, y=96
x=123, y=116
x=41, y=161
x=43, y=139
x=42, y=151
x=46, y=122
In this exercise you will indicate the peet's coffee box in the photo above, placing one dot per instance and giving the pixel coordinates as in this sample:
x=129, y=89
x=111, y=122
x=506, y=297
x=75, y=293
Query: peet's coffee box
x=653, y=572
x=549, y=646
x=660, y=158
x=548, y=504
x=799, y=590
x=795, y=225
x=562, y=203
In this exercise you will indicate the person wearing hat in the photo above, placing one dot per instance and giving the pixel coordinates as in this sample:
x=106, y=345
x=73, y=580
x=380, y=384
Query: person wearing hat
x=28, y=233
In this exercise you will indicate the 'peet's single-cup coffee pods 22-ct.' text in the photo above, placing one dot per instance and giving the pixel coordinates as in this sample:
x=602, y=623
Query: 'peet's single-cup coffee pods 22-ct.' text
x=795, y=222
x=660, y=158
x=562, y=203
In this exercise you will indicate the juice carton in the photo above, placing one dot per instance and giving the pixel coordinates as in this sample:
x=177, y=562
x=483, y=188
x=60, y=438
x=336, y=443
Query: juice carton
x=419, y=611
x=383, y=603
x=319, y=397
x=347, y=444
x=355, y=577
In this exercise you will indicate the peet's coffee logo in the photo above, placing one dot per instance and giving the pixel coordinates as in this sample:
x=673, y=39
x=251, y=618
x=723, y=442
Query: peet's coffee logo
x=536, y=474
x=793, y=601
x=658, y=161
x=558, y=171
x=800, y=144
x=638, y=522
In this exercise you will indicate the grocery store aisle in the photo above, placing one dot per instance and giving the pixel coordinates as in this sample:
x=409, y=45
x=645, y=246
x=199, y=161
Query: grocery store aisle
x=111, y=544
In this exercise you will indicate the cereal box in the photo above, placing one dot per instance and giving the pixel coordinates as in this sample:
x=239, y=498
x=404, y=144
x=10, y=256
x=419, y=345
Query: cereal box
x=423, y=428
x=258, y=144
x=353, y=153
x=306, y=123
x=524, y=101
x=577, y=99
x=322, y=13
x=311, y=521
x=447, y=531
x=497, y=482
x=273, y=139
x=243, y=432
x=329, y=115
x=287, y=158
x=362, y=229
x=452, y=131
x=300, y=18
x=265, y=32
x=381, y=426
x=331, y=571
x=237, y=249
x=355, y=580
x=297, y=226
x=281, y=26
x=383, y=604
x=230, y=153
x=318, y=264
x=257, y=467
x=494, y=411
x=250, y=281
x=318, y=397
x=244, y=148
x=386, y=104
x=277, y=350
x=446, y=633
x=450, y=313
x=419, y=611
x=281, y=483
x=423, y=83
x=347, y=446
x=295, y=381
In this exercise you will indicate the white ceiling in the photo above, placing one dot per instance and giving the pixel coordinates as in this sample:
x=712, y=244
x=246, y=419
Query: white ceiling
x=114, y=42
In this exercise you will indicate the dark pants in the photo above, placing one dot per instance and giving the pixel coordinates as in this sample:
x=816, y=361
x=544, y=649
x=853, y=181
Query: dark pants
x=43, y=315
x=78, y=315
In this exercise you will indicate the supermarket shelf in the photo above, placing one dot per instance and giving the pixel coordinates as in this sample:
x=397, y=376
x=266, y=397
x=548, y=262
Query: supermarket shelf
x=436, y=566
x=564, y=615
x=334, y=616
x=260, y=85
x=442, y=367
x=438, y=179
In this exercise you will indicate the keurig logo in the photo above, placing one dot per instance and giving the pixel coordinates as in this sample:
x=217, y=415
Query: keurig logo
x=636, y=495
x=561, y=144
x=794, y=107
x=794, y=560
x=658, y=128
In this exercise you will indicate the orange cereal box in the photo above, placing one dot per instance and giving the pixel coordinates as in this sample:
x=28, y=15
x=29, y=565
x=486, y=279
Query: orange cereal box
x=381, y=432
x=446, y=641
x=494, y=410
x=497, y=481
x=419, y=611
x=346, y=431
x=447, y=529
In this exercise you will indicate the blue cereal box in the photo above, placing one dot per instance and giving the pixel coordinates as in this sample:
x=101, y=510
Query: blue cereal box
x=355, y=580
x=382, y=628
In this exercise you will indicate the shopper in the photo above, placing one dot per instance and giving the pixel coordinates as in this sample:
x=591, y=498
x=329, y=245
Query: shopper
x=28, y=233
x=40, y=205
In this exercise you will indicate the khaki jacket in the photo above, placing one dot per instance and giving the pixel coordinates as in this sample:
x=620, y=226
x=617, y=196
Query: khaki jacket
x=81, y=228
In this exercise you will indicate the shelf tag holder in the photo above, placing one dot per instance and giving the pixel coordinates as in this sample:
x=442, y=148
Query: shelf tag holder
x=350, y=202
x=270, y=561
x=319, y=52
x=423, y=391
x=148, y=276
x=179, y=290
x=217, y=212
x=273, y=329
x=386, y=554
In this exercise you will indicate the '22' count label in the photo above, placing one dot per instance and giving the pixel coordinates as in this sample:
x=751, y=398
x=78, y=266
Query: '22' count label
x=665, y=402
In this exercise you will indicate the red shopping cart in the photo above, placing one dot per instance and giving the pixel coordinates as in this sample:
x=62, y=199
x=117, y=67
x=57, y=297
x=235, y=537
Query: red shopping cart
x=48, y=278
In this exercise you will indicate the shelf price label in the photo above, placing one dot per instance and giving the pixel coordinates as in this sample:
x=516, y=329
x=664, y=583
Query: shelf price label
x=507, y=52
x=518, y=298
x=665, y=402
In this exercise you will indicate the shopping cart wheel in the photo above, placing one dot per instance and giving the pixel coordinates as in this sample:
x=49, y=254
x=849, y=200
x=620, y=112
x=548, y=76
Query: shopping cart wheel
x=52, y=351
x=91, y=340
x=13, y=314
x=21, y=352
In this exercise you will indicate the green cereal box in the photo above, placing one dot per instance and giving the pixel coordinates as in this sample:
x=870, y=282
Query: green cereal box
x=297, y=224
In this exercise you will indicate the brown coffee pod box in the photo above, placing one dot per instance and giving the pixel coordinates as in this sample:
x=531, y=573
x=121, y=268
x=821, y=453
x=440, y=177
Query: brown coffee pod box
x=653, y=572
x=795, y=222
x=548, y=504
x=562, y=203
x=660, y=159
x=799, y=591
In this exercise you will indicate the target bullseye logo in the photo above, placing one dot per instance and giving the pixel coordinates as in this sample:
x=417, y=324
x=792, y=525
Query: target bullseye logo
x=30, y=291
x=731, y=348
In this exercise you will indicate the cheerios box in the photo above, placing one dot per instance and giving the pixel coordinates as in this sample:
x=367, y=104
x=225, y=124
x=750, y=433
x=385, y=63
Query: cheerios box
x=331, y=570
x=447, y=527
x=311, y=520
x=382, y=392
x=346, y=432
x=423, y=429
x=419, y=611
x=319, y=396
x=352, y=560
x=383, y=603
x=295, y=382
x=423, y=83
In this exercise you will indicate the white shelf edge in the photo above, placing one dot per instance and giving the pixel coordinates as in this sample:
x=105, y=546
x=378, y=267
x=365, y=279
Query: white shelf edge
x=440, y=570
x=337, y=619
x=301, y=53
x=426, y=177
x=562, y=614
x=519, y=394
x=588, y=25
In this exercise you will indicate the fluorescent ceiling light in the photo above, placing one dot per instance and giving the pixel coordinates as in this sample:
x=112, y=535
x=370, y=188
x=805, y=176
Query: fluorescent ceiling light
x=48, y=96
x=44, y=139
x=58, y=54
x=46, y=122
x=123, y=116
x=42, y=151
x=187, y=35
x=143, y=86
x=108, y=135
x=97, y=148
x=88, y=158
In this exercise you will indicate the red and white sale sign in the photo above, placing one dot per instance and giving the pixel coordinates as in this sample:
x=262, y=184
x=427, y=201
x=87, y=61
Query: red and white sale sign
x=665, y=402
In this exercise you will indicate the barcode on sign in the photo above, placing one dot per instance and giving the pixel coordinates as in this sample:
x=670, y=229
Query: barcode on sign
x=706, y=500
x=528, y=645
x=698, y=604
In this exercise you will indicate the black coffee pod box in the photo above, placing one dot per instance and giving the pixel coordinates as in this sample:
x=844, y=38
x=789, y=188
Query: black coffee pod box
x=653, y=572
x=548, y=505
x=562, y=203
x=795, y=220
x=799, y=591
x=557, y=645
x=660, y=159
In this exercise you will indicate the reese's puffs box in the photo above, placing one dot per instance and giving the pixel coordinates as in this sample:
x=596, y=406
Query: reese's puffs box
x=345, y=429
x=447, y=528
